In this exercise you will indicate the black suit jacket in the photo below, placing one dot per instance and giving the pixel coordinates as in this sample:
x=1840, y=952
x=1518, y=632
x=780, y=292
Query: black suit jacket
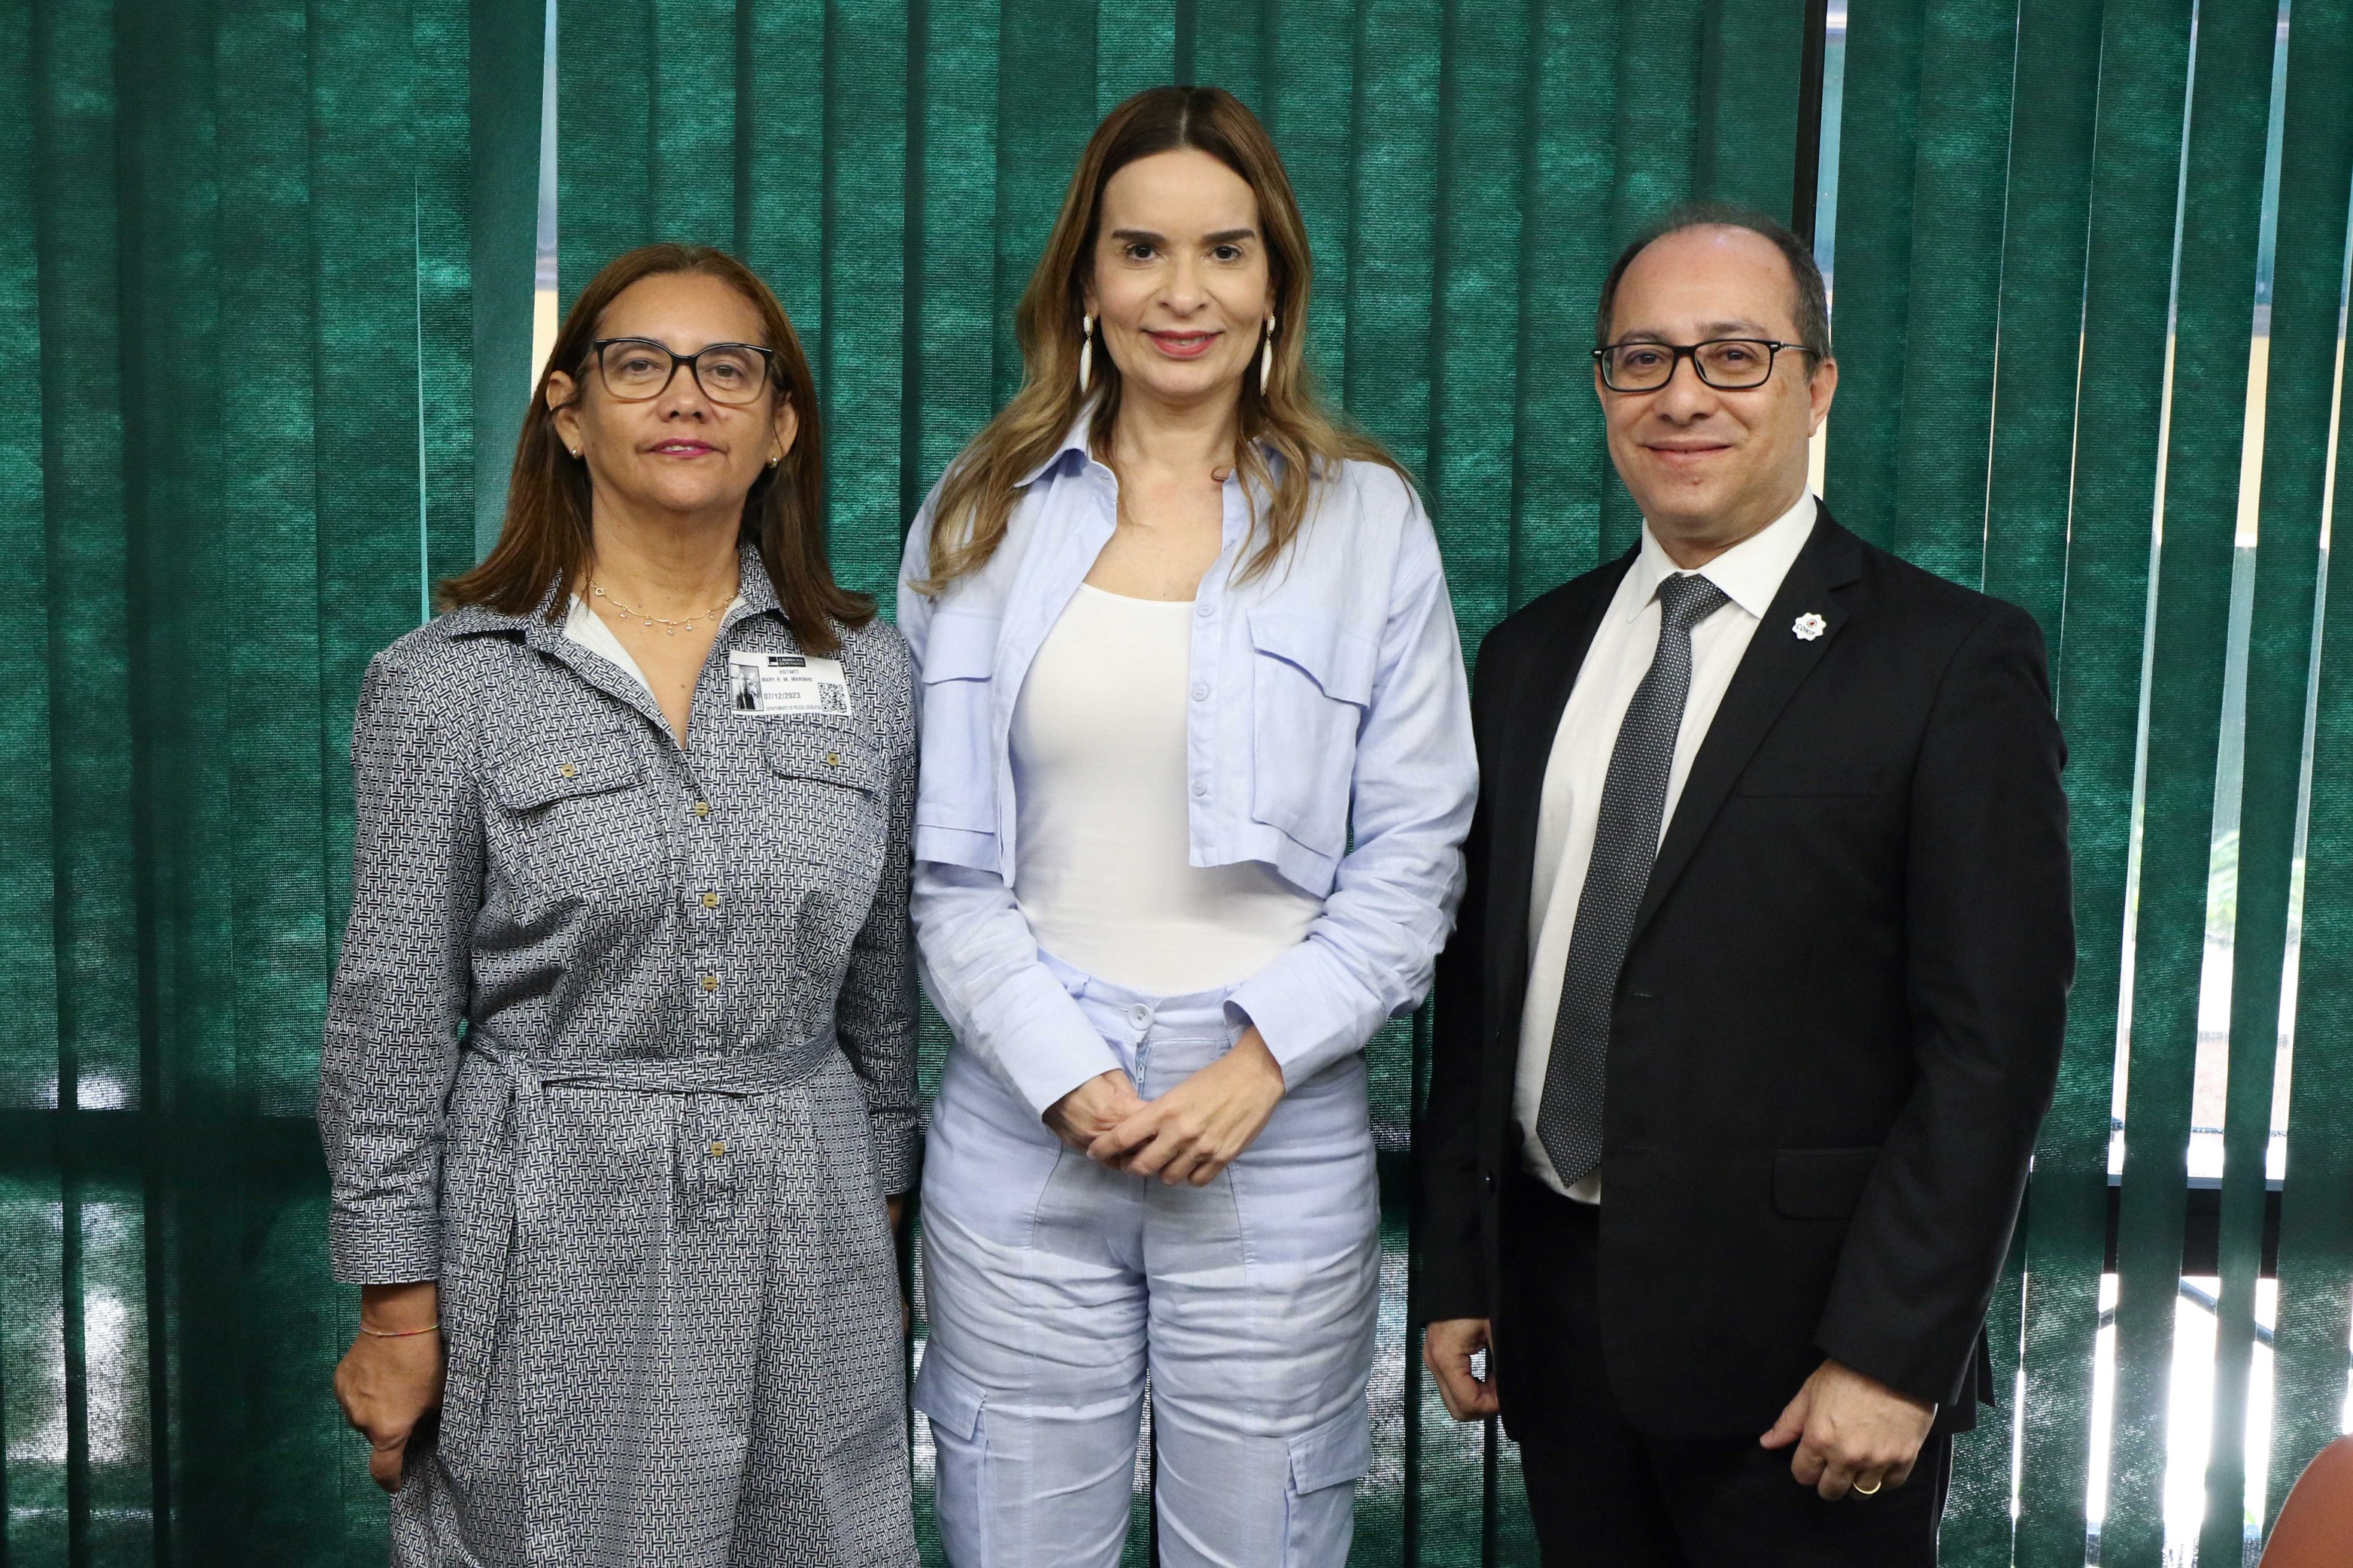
x=1839, y=1022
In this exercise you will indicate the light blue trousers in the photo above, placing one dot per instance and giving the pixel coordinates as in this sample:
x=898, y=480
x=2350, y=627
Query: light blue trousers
x=1052, y=1284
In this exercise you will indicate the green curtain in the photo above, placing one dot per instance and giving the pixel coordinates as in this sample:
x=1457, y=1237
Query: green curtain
x=2316, y=1245
x=2099, y=330
x=274, y=258
x=2025, y=371
x=238, y=271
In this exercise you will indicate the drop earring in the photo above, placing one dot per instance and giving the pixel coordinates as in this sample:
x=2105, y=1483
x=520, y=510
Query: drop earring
x=1086, y=353
x=1266, y=361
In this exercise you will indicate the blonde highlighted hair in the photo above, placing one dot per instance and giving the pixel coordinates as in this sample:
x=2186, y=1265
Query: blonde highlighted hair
x=976, y=497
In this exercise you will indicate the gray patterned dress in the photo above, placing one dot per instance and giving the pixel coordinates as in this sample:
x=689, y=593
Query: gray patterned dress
x=620, y=1050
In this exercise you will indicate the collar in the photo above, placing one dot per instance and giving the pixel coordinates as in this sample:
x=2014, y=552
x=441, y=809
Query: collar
x=1750, y=573
x=1079, y=438
x=755, y=592
x=755, y=595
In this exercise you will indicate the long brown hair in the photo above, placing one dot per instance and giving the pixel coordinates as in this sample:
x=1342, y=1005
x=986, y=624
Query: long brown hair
x=976, y=497
x=546, y=536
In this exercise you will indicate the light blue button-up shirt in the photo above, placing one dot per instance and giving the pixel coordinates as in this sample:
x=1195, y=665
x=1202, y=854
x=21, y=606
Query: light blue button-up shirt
x=1329, y=739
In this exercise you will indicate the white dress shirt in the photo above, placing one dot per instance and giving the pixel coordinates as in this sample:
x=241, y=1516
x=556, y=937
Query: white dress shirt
x=1750, y=573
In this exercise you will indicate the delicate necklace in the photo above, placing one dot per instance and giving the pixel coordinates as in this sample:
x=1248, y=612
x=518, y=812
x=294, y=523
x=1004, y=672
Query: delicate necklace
x=670, y=629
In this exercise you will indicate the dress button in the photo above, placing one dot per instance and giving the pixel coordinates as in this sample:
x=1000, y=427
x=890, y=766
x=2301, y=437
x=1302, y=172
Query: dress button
x=1201, y=693
x=1140, y=1015
x=564, y=770
x=710, y=901
x=1202, y=609
x=833, y=759
x=703, y=808
x=1200, y=787
x=718, y=1148
x=710, y=983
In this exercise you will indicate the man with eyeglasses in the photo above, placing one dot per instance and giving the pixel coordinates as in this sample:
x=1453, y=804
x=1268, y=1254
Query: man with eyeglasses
x=1755, y=1003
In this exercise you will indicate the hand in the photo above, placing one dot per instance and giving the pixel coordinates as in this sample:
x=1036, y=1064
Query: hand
x=1447, y=1347
x=387, y=1386
x=1198, y=1128
x=1853, y=1433
x=897, y=1210
x=1093, y=1109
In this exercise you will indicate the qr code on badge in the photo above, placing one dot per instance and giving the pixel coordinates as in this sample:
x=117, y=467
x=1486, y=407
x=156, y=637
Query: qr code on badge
x=833, y=699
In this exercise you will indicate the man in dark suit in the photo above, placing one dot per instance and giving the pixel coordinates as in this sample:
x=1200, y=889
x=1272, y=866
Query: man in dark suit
x=1756, y=1000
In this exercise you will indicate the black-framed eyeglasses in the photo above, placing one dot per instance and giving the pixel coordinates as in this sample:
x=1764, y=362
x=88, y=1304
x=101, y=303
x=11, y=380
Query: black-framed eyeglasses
x=1728, y=365
x=637, y=369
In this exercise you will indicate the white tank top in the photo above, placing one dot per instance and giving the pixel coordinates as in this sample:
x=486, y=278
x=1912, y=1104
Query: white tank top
x=1103, y=870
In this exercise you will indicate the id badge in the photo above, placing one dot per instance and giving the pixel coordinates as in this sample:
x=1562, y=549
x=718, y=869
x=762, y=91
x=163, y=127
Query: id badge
x=761, y=684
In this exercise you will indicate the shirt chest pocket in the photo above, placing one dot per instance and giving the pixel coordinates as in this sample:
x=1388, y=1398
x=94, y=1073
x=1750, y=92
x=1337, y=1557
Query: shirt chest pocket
x=957, y=785
x=573, y=812
x=1311, y=684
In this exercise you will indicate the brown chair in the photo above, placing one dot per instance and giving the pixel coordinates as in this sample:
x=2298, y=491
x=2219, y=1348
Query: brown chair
x=2316, y=1523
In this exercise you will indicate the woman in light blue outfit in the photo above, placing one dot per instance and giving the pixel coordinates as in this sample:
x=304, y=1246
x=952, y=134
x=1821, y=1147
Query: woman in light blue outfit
x=1197, y=767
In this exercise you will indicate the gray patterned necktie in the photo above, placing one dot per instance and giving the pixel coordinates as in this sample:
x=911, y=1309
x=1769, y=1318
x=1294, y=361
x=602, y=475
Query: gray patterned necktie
x=1625, y=843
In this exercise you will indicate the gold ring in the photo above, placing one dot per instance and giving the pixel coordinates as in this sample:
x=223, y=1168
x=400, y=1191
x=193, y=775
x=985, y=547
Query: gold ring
x=1871, y=1490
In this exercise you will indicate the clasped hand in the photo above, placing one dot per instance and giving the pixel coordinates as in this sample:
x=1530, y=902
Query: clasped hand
x=1188, y=1134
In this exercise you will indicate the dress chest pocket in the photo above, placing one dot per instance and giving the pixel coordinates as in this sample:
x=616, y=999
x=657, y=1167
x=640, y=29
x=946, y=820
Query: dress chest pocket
x=821, y=815
x=1311, y=684
x=573, y=814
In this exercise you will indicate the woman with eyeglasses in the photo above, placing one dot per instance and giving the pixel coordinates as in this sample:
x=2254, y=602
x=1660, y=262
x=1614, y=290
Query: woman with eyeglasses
x=619, y=1079
x=1197, y=767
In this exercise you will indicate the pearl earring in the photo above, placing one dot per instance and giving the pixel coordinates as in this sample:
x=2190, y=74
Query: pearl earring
x=1086, y=353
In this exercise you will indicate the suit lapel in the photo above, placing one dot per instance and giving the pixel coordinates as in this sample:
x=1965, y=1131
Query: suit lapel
x=1776, y=665
x=1532, y=721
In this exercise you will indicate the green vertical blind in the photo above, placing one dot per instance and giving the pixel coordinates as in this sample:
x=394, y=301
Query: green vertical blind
x=275, y=260
x=2054, y=404
x=238, y=279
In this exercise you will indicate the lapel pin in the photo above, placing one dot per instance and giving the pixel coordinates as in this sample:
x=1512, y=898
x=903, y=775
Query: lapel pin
x=1809, y=627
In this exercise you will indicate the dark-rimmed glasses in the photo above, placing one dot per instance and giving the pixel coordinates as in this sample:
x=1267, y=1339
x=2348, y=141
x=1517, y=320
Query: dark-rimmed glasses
x=1728, y=365
x=637, y=369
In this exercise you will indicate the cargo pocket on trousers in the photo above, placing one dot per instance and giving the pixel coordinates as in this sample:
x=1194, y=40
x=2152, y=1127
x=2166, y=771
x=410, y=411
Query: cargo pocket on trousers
x=1327, y=1462
x=957, y=1407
